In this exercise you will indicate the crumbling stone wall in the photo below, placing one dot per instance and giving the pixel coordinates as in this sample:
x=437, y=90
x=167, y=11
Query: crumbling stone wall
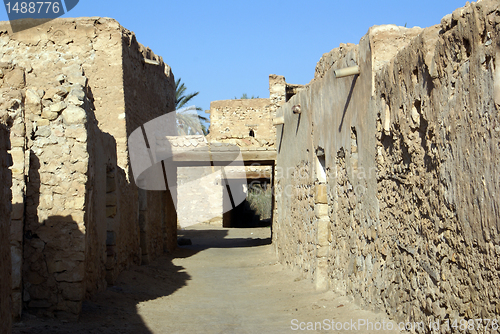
x=55, y=223
x=333, y=59
x=5, y=211
x=71, y=116
x=411, y=152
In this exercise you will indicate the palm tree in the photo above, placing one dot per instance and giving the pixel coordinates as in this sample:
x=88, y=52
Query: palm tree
x=188, y=123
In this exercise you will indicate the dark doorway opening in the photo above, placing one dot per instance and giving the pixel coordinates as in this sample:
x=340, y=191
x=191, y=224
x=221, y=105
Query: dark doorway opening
x=256, y=210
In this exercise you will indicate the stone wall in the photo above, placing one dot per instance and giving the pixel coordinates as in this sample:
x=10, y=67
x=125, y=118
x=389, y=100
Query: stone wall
x=149, y=92
x=78, y=88
x=248, y=123
x=406, y=154
x=438, y=155
x=5, y=212
x=246, y=118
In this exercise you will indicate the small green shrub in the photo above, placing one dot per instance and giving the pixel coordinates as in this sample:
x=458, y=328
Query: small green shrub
x=260, y=199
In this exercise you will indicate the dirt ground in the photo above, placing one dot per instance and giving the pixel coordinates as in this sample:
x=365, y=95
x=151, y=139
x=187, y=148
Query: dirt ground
x=227, y=281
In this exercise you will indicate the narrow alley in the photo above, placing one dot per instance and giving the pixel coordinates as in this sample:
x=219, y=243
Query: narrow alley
x=227, y=281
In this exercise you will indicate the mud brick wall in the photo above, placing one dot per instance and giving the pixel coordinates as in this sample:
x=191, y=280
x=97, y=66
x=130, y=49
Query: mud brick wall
x=5, y=212
x=298, y=209
x=81, y=86
x=409, y=151
x=101, y=204
x=149, y=92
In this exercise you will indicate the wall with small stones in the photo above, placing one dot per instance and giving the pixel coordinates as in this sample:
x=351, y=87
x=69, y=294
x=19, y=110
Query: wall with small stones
x=71, y=111
x=236, y=118
x=58, y=231
x=5, y=212
x=438, y=158
x=410, y=148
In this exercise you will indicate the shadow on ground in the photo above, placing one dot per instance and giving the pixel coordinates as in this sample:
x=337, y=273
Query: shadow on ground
x=116, y=309
x=210, y=238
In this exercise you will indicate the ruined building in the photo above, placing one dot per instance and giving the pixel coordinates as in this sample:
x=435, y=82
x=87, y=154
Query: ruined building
x=388, y=179
x=69, y=99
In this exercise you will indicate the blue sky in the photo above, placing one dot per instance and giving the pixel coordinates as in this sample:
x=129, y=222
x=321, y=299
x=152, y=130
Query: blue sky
x=226, y=48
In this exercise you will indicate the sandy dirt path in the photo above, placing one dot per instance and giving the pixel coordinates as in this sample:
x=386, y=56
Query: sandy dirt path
x=227, y=281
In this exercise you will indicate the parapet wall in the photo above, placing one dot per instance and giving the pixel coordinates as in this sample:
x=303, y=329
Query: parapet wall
x=391, y=200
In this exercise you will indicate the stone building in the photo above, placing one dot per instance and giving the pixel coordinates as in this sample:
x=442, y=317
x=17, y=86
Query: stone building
x=387, y=180
x=246, y=124
x=74, y=89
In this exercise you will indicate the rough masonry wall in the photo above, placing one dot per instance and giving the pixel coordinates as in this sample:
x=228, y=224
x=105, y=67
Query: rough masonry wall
x=438, y=160
x=317, y=131
x=237, y=119
x=81, y=223
x=410, y=155
x=5, y=211
x=55, y=158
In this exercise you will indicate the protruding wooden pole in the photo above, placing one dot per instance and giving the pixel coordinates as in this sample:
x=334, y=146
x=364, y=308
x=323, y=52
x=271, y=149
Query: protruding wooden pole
x=344, y=72
x=279, y=121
